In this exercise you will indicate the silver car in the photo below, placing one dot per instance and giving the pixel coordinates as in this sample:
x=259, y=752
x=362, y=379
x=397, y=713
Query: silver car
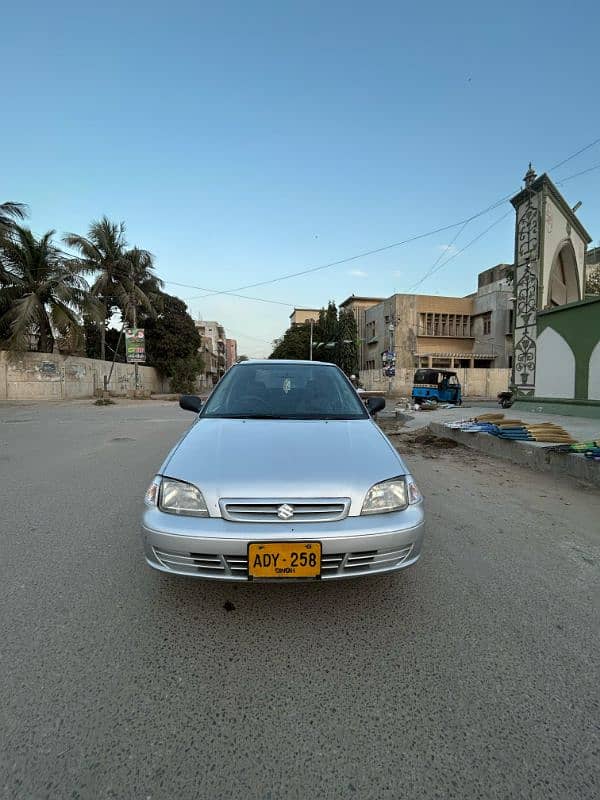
x=283, y=476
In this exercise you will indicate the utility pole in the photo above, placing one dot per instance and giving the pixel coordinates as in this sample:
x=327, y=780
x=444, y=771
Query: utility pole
x=135, y=366
x=311, y=338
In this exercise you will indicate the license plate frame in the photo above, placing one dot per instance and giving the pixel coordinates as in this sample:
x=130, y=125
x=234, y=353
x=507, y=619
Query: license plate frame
x=284, y=566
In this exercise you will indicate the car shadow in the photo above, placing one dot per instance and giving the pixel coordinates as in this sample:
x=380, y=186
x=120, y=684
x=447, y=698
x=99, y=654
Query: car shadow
x=279, y=602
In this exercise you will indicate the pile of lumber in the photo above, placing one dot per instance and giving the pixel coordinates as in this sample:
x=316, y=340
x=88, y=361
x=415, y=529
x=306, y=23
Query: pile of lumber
x=519, y=431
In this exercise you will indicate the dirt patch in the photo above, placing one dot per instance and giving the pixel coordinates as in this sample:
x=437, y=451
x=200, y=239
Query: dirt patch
x=421, y=441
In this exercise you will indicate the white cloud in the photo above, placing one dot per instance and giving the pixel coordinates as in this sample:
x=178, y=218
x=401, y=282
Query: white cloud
x=358, y=273
x=449, y=249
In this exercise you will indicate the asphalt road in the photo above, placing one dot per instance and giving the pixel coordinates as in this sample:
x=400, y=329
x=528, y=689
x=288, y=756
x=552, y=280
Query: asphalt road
x=473, y=675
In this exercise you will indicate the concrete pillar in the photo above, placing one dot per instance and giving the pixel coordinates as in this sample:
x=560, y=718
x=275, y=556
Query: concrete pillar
x=430, y=361
x=471, y=363
x=452, y=362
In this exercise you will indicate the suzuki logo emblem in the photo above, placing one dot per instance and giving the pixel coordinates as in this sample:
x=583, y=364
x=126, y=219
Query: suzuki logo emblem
x=285, y=511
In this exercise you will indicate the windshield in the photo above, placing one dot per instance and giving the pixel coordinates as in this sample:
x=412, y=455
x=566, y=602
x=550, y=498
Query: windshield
x=428, y=376
x=285, y=391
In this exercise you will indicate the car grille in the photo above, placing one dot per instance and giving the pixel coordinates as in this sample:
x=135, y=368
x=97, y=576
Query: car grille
x=212, y=565
x=304, y=510
x=346, y=563
x=208, y=564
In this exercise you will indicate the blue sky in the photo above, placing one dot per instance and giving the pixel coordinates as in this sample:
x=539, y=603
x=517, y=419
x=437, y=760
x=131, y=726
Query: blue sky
x=241, y=141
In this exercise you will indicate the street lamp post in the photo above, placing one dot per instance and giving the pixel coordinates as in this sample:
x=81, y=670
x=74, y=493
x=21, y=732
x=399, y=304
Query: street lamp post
x=311, y=338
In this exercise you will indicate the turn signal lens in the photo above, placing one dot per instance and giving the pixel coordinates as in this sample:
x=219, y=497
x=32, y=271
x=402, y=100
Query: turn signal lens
x=151, y=496
x=414, y=494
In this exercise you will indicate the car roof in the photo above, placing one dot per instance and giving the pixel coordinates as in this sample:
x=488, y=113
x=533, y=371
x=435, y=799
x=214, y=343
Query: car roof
x=435, y=369
x=274, y=361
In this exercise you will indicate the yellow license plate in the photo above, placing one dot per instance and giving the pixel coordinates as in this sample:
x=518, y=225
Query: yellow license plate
x=284, y=560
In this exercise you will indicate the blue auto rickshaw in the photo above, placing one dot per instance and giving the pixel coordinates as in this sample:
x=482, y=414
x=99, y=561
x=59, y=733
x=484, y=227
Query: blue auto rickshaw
x=437, y=385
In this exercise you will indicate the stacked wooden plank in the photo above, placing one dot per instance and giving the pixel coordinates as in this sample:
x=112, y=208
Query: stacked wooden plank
x=519, y=431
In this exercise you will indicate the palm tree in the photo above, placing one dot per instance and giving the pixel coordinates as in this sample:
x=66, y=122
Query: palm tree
x=9, y=212
x=141, y=288
x=41, y=290
x=121, y=274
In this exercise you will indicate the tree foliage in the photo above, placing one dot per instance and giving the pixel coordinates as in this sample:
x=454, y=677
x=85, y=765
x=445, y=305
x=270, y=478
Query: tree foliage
x=172, y=342
x=41, y=292
x=295, y=343
x=593, y=281
x=124, y=278
x=10, y=213
x=335, y=339
x=347, y=346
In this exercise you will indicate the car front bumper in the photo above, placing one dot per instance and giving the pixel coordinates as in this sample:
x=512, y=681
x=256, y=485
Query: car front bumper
x=217, y=549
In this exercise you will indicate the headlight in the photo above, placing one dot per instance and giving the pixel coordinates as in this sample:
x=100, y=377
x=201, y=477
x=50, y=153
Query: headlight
x=176, y=497
x=392, y=495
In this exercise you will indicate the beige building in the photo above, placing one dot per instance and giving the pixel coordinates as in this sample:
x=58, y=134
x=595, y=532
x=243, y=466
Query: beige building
x=231, y=352
x=213, y=348
x=358, y=306
x=301, y=315
x=445, y=332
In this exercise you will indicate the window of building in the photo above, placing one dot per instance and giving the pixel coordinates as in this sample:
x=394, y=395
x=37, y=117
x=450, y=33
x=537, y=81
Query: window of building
x=510, y=362
x=487, y=323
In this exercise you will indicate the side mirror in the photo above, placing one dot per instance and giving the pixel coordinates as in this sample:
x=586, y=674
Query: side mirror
x=190, y=402
x=375, y=404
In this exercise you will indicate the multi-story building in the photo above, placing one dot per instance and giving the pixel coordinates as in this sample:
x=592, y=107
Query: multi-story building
x=213, y=337
x=445, y=332
x=492, y=317
x=230, y=352
x=358, y=305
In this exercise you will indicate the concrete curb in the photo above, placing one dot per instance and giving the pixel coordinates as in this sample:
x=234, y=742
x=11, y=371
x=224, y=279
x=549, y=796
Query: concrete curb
x=525, y=454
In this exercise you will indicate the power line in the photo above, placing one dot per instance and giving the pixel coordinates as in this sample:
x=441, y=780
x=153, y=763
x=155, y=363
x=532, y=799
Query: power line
x=574, y=155
x=439, y=258
x=577, y=174
x=462, y=250
x=366, y=253
x=232, y=294
x=432, y=271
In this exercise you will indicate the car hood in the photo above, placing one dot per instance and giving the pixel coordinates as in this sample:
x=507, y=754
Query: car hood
x=233, y=458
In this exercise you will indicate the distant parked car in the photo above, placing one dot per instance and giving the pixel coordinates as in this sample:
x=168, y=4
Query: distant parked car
x=283, y=475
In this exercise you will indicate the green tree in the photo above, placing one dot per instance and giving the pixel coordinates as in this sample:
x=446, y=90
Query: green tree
x=10, y=212
x=41, y=291
x=124, y=278
x=347, y=347
x=172, y=343
x=325, y=334
x=592, y=285
x=295, y=343
x=141, y=288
